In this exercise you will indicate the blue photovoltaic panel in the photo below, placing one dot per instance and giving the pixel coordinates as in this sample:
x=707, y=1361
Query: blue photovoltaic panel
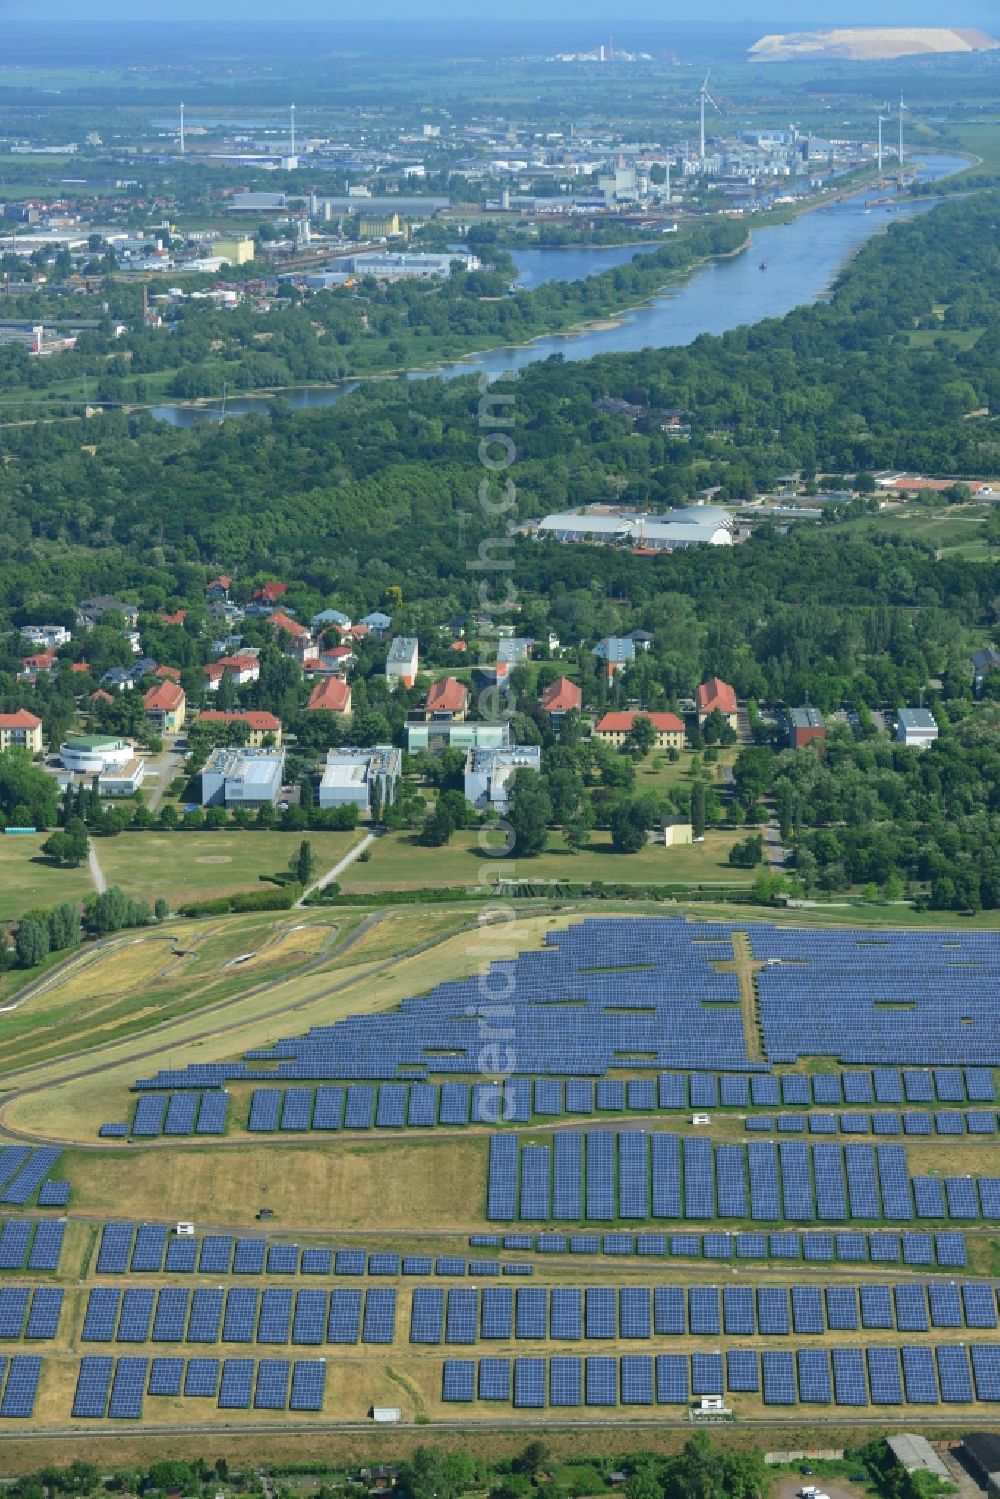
x=501, y=1201
x=166, y=1375
x=213, y=1111
x=706, y=1373
x=671, y=1090
x=703, y=1311
x=55, y=1194
x=529, y=1383
x=849, y=1384
x=611, y=1095
x=494, y=1379
x=565, y=1313
x=813, y=1366
x=206, y=1316
x=344, y=1325
x=717, y=1246
x=461, y=1316
x=282, y=1259
x=741, y=1370
x=601, y=1313
x=18, y=1402
x=565, y=1381
x=883, y=1376
x=296, y=1108
x=426, y=1314
x=672, y=1379
x=101, y=1317
x=567, y=1166
x=950, y=1249
x=945, y=1304
x=201, y=1378
x=778, y=1378
x=636, y=1379
x=92, y=1386
x=310, y=1319
x=928, y=1196
x=498, y=1311
x=459, y=1379
x=641, y=1094
x=807, y=1311
x=360, y=1107
x=918, y=1249
x=240, y=1321
x=600, y=1182
x=633, y=1175
x=517, y=1100
x=182, y=1110
x=883, y=1249
x=668, y=1311
x=751, y=1247
x=128, y=1389
x=275, y=1315
x=13, y=1306
x=979, y=1085
x=149, y=1112
x=633, y=1311
x=216, y=1254
x=919, y=1378
x=953, y=1374
x=817, y=1248
x=704, y=1090
x=136, y=1314
x=46, y=1309
x=651, y=1244
x=911, y=1307
x=350, y=1262
x=876, y=1306
x=417, y=1264
x=536, y=1174
x=963, y=1201
x=271, y=1393
x=265, y=1109
x=454, y=1103
x=699, y=1184
x=841, y=1308
x=772, y=1310
x=236, y=1387
x=731, y=1181
x=548, y=1096
x=391, y=1112
x=858, y=1087
x=738, y=1312
x=666, y=1171
x=979, y=1303
x=530, y=1313
x=316, y=1261
x=171, y=1315
x=150, y=1247
x=734, y=1091
x=328, y=1109
x=579, y=1096
x=14, y=1240
x=601, y=1380
x=308, y=1385
x=182, y=1256
x=46, y=1247
x=248, y=1257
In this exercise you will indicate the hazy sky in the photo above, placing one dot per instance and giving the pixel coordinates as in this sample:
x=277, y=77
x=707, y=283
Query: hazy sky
x=763, y=13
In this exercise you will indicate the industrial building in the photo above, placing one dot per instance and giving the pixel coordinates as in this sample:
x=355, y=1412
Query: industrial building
x=805, y=725
x=916, y=727
x=981, y=1450
x=489, y=772
x=697, y=525
x=392, y=265
x=352, y=773
x=248, y=778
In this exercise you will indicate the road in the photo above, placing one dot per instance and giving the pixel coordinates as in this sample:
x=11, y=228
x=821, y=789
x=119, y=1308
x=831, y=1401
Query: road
x=338, y=869
x=164, y=768
x=97, y=879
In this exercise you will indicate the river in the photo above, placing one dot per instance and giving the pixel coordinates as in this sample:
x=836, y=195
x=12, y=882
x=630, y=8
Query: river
x=802, y=258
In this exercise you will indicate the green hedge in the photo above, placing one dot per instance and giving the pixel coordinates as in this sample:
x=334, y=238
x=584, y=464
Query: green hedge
x=248, y=900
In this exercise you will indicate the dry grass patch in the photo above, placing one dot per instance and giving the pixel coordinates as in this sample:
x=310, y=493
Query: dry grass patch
x=366, y=1185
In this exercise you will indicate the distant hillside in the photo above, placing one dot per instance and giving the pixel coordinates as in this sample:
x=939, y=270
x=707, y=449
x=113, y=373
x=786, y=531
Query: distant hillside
x=871, y=42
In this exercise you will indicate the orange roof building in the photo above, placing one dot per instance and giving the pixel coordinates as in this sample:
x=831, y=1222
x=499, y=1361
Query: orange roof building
x=614, y=728
x=333, y=695
x=716, y=696
x=166, y=707
x=561, y=697
x=21, y=730
x=447, y=699
x=259, y=723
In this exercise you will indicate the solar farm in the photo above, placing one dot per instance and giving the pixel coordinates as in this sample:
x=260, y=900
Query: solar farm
x=631, y=1167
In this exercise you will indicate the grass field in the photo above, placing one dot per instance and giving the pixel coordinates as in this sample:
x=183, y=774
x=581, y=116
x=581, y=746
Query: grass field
x=400, y=862
x=197, y=866
x=954, y=531
x=26, y=880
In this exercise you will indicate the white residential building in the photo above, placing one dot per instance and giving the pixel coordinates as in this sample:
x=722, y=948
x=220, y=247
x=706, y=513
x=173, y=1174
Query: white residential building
x=403, y=661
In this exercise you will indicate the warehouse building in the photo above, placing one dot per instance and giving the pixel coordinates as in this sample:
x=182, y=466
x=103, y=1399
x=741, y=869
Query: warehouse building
x=697, y=525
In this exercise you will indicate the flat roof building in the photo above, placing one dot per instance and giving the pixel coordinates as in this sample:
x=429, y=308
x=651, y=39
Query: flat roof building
x=982, y=1450
x=435, y=735
x=93, y=754
x=352, y=772
x=916, y=727
x=805, y=725
x=695, y=525
x=242, y=777
x=402, y=661
x=489, y=772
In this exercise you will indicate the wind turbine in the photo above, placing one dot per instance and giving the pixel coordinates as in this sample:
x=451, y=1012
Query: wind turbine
x=182, y=129
x=704, y=95
x=292, y=113
x=883, y=119
x=902, y=107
